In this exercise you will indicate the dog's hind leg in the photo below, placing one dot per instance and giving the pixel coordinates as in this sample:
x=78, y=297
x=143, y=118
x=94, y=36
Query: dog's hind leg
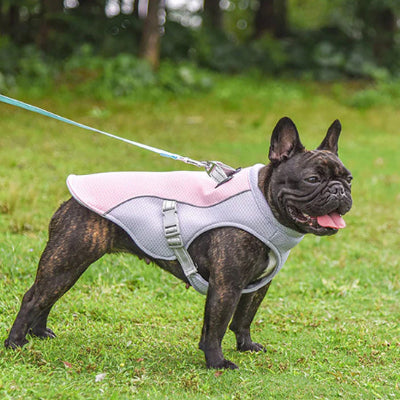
x=243, y=317
x=39, y=327
x=77, y=238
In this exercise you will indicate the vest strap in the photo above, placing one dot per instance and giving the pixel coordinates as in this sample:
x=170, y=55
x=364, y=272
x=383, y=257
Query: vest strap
x=173, y=236
x=174, y=239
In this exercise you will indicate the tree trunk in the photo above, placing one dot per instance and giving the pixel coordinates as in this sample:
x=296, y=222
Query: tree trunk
x=91, y=6
x=212, y=14
x=1, y=17
x=136, y=8
x=383, y=22
x=49, y=9
x=150, y=41
x=13, y=21
x=264, y=20
x=271, y=17
x=281, y=28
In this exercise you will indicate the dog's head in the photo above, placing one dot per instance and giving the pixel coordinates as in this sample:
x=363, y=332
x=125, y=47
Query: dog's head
x=308, y=191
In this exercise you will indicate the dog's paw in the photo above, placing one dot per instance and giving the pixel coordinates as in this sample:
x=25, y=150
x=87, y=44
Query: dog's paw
x=223, y=364
x=251, y=346
x=46, y=333
x=14, y=344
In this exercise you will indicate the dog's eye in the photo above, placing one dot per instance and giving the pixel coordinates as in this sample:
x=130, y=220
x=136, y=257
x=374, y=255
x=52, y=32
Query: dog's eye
x=349, y=179
x=312, y=179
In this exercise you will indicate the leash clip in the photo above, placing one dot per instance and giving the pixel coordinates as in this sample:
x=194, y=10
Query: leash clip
x=220, y=172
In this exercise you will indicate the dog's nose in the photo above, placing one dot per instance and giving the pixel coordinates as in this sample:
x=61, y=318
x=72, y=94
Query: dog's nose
x=337, y=190
x=341, y=193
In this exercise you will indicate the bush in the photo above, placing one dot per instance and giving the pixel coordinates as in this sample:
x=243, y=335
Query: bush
x=25, y=66
x=386, y=92
x=183, y=78
x=126, y=75
x=221, y=52
x=103, y=77
x=177, y=43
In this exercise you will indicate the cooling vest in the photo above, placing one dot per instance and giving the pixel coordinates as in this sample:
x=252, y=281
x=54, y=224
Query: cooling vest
x=134, y=200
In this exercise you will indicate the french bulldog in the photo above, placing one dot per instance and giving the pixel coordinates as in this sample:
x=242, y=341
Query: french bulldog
x=307, y=192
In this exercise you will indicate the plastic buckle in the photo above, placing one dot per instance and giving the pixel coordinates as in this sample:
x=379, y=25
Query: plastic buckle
x=171, y=224
x=171, y=230
x=175, y=242
x=220, y=172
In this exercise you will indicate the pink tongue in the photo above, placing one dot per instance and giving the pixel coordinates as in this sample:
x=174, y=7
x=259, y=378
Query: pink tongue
x=332, y=220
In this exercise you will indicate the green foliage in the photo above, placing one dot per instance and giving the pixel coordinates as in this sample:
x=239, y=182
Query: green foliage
x=177, y=42
x=106, y=36
x=328, y=55
x=26, y=66
x=220, y=52
x=184, y=78
x=126, y=75
x=325, y=55
x=123, y=75
x=333, y=40
x=383, y=93
x=307, y=15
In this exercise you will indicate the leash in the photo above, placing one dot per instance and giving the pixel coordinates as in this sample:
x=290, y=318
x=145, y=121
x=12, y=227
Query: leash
x=217, y=170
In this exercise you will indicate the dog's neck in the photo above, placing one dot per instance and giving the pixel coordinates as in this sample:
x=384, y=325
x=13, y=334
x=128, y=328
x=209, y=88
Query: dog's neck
x=264, y=184
x=264, y=179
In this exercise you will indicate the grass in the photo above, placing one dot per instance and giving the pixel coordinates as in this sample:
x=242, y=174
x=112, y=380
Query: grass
x=128, y=330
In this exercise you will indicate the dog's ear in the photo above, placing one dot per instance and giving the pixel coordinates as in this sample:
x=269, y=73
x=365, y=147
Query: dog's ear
x=285, y=141
x=330, y=142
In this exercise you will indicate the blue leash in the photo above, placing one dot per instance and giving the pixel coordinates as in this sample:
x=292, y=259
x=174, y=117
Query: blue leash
x=217, y=170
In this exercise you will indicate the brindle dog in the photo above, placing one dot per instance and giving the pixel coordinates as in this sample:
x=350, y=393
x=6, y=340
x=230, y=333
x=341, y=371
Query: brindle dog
x=300, y=187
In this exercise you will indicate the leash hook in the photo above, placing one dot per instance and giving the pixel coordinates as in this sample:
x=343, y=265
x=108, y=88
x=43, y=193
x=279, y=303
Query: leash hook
x=220, y=172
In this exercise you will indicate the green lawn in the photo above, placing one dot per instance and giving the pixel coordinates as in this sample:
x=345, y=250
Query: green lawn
x=330, y=320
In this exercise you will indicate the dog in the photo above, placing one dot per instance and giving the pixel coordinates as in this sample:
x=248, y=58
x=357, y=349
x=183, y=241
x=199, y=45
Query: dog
x=303, y=191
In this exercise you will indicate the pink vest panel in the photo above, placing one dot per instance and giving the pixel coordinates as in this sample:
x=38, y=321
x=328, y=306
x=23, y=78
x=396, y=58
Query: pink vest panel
x=104, y=191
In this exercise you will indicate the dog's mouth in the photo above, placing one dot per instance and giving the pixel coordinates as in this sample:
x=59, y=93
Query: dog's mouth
x=331, y=221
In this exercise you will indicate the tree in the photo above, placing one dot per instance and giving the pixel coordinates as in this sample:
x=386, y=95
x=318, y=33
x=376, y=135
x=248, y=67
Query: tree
x=212, y=14
x=13, y=20
x=136, y=8
x=1, y=17
x=271, y=17
x=92, y=7
x=150, y=40
x=48, y=24
x=379, y=27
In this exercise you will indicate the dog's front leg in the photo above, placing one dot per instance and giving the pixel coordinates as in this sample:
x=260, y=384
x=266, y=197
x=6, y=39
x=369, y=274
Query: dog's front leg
x=220, y=305
x=243, y=317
